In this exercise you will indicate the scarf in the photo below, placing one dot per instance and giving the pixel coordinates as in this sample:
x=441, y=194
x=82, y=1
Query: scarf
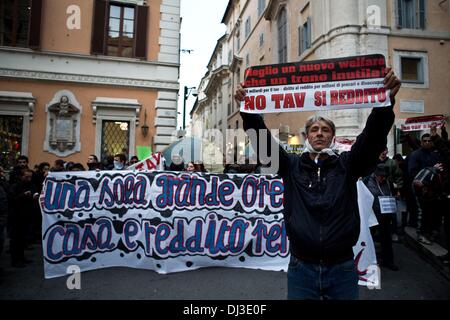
x=329, y=151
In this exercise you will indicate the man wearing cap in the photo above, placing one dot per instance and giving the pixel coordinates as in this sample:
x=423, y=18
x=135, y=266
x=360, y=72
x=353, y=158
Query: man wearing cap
x=384, y=208
x=320, y=198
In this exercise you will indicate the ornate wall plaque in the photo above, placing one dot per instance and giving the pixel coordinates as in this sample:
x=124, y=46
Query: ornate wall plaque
x=63, y=130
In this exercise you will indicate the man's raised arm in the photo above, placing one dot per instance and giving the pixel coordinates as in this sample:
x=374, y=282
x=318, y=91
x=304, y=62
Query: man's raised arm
x=268, y=150
x=372, y=141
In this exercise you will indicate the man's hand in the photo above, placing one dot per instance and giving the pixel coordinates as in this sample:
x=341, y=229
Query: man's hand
x=433, y=130
x=439, y=166
x=391, y=82
x=239, y=94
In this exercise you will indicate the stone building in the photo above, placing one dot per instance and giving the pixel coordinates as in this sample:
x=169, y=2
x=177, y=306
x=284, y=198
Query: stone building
x=81, y=77
x=413, y=35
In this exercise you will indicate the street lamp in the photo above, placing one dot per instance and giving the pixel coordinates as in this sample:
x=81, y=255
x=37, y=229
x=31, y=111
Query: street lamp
x=187, y=92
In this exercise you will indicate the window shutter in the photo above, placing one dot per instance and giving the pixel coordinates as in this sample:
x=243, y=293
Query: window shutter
x=422, y=14
x=34, y=33
x=99, y=27
x=308, y=32
x=399, y=14
x=300, y=40
x=141, y=32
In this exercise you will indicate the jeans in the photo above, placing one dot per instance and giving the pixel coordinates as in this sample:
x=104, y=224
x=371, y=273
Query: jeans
x=308, y=281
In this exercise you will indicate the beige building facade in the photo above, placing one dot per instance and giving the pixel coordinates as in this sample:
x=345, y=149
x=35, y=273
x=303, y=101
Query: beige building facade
x=413, y=35
x=81, y=77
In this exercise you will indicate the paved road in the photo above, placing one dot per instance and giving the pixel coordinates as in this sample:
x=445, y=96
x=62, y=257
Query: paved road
x=415, y=280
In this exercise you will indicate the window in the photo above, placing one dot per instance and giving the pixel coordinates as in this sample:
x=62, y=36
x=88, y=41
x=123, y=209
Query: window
x=229, y=110
x=230, y=57
x=247, y=60
x=237, y=124
x=20, y=22
x=412, y=70
x=304, y=36
x=261, y=7
x=282, y=36
x=115, y=138
x=411, y=14
x=248, y=27
x=11, y=128
x=120, y=40
x=125, y=34
x=261, y=39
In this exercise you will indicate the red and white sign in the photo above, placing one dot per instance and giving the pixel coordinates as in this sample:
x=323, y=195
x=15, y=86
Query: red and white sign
x=333, y=84
x=343, y=144
x=423, y=123
x=154, y=162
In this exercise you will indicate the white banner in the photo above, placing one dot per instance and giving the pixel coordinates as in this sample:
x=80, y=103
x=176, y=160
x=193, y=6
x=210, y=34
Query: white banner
x=162, y=221
x=364, y=250
x=318, y=97
x=332, y=84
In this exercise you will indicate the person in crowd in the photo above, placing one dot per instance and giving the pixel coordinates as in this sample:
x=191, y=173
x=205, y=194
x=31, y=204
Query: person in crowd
x=108, y=163
x=382, y=188
x=406, y=195
x=199, y=166
x=177, y=163
x=77, y=167
x=442, y=145
x=4, y=210
x=395, y=177
x=59, y=165
x=320, y=198
x=40, y=174
x=190, y=167
x=21, y=163
x=133, y=160
x=120, y=162
x=425, y=156
x=394, y=172
x=93, y=163
x=68, y=165
x=36, y=218
x=422, y=161
x=21, y=197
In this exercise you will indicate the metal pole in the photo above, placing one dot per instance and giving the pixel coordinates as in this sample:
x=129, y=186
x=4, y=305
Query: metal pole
x=184, y=106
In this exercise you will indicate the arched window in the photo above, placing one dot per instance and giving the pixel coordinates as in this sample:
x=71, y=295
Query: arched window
x=282, y=36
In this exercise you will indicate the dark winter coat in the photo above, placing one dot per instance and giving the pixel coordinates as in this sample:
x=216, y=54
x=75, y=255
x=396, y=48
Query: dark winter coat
x=320, y=201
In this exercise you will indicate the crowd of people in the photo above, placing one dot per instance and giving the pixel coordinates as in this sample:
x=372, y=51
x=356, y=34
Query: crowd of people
x=20, y=216
x=421, y=182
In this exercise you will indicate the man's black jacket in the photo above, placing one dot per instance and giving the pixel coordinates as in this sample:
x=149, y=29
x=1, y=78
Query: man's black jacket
x=320, y=206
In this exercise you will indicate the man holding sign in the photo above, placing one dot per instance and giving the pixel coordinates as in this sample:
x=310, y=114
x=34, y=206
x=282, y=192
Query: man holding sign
x=320, y=195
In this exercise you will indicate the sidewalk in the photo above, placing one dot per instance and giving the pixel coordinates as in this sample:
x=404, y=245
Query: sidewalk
x=429, y=252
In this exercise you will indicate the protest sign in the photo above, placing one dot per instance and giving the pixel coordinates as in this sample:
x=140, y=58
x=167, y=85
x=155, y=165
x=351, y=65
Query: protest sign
x=162, y=221
x=143, y=152
x=423, y=123
x=343, y=83
x=152, y=162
